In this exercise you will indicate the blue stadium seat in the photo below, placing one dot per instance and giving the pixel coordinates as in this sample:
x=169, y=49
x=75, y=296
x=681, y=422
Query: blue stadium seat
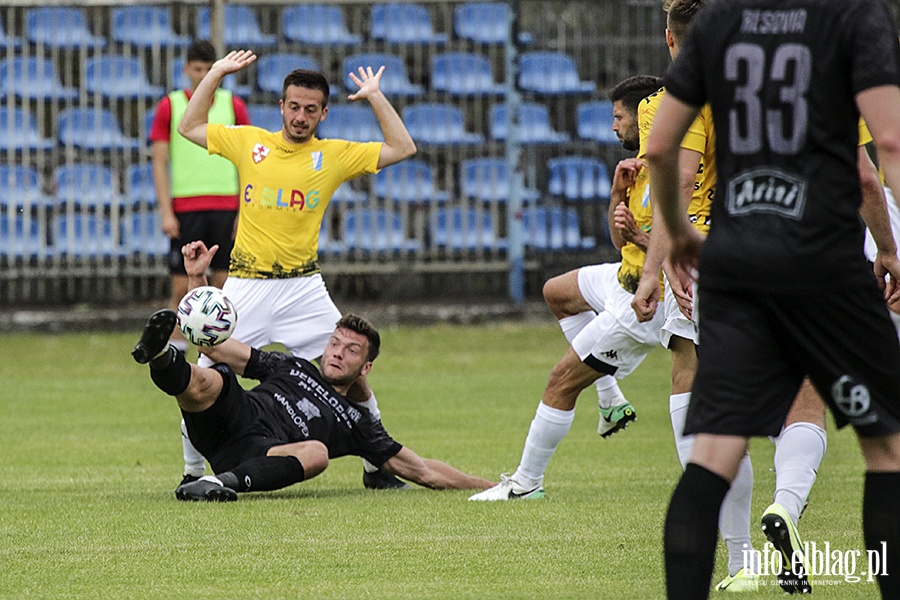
x=485, y=23
x=18, y=131
x=396, y=23
x=86, y=236
x=266, y=116
x=241, y=28
x=21, y=237
x=578, y=178
x=20, y=187
x=146, y=27
x=376, y=230
x=488, y=180
x=394, y=82
x=143, y=235
x=355, y=122
x=93, y=129
x=119, y=77
x=139, y=182
x=347, y=195
x=460, y=228
x=8, y=42
x=272, y=68
x=551, y=73
x=147, y=123
x=60, y=27
x=180, y=80
x=85, y=186
x=318, y=24
x=554, y=228
x=409, y=181
x=535, y=124
x=438, y=124
x=594, y=122
x=33, y=78
x=327, y=245
x=463, y=74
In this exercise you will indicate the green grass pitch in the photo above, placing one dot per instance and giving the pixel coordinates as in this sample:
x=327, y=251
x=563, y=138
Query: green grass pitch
x=90, y=456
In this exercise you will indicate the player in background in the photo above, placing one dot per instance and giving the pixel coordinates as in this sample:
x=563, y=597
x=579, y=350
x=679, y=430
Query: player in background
x=782, y=275
x=605, y=336
x=197, y=193
x=571, y=296
x=287, y=179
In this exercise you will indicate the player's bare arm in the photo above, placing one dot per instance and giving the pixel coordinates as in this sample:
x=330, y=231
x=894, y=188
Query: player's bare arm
x=623, y=178
x=398, y=144
x=193, y=123
x=431, y=473
x=159, y=157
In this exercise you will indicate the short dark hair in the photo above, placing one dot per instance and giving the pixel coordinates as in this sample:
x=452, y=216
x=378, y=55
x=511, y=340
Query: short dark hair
x=679, y=14
x=359, y=325
x=201, y=50
x=634, y=89
x=305, y=78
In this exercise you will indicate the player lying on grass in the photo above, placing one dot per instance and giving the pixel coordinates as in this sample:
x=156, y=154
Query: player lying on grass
x=287, y=428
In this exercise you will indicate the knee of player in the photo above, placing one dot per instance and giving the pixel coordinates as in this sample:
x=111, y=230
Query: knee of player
x=315, y=458
x=556, y=296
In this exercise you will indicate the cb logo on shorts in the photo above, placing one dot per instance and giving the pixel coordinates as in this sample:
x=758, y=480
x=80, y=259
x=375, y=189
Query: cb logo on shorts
x=851, y=398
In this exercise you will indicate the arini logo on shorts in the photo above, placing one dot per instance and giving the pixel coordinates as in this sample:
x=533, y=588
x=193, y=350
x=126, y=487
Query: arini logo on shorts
x=767, y=190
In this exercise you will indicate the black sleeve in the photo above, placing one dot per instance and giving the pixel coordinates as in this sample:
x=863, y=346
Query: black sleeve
x=874, y=46
x=263, y=365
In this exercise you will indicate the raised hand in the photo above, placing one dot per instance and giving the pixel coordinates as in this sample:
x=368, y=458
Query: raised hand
x=368, y=81
x=234, y=61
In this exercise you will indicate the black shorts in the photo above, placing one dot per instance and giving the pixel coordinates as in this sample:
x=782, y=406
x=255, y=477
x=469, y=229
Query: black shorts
x=755, y=350
x=211, y=227
x=233, y=429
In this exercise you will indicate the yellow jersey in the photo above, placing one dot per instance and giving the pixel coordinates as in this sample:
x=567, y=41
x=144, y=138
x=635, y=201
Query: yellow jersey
x=284, y=191
x=629, y=274
x=701, y=138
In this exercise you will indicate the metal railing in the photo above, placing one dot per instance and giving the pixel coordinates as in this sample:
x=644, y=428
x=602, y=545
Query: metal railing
x=492, y=209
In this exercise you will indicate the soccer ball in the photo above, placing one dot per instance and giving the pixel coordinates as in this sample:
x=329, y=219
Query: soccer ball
x=206, y=316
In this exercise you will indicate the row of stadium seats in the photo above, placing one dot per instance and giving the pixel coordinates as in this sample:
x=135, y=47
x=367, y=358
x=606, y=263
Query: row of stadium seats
x=92, y=236
x=149, y=26
x=571, y=178
x=430, y=124
x=118, y=77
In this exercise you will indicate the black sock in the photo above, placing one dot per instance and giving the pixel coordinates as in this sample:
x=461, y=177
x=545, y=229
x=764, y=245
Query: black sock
x=881, y=523
x=170, y=372
x=691, y=532
x=264, y=473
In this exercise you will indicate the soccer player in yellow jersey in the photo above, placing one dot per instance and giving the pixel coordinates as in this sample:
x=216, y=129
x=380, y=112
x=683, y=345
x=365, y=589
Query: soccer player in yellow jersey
x=287, y=178
x=593, y=304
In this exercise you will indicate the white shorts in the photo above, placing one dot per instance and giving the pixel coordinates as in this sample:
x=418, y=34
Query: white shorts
x=871, y=250
x=296, y=312
x=614, y=342
x=675, y=322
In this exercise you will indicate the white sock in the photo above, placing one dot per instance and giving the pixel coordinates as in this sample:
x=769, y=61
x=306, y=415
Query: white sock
x=194, y=463
x=734, y=520
x=608, y=392
x=372, y=405
x=678, y=406
x=548, y=428
x=571, y=326
x=798, y=451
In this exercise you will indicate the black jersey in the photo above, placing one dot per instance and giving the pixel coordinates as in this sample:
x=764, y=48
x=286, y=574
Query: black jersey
x=297, y=404
x=781, y=76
